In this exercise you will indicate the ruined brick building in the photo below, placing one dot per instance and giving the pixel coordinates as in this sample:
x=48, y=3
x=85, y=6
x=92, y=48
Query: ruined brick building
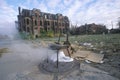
x=34, y=21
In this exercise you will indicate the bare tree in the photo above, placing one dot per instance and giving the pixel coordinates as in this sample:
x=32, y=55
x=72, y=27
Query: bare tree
x=118, y=22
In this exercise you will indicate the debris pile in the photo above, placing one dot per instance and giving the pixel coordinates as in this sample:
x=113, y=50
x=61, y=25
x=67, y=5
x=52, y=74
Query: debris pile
x=89, y=56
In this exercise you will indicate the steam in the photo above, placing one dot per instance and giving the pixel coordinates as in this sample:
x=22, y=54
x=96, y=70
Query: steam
x=8, y=29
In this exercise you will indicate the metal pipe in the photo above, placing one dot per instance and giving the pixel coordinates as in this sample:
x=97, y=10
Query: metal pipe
x=57, y=58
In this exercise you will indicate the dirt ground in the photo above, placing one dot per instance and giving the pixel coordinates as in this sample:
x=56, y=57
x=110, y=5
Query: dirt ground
x=111, y=64
x=21, y=63
x=111, y=61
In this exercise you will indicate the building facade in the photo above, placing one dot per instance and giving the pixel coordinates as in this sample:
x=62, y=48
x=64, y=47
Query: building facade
x=34, y=21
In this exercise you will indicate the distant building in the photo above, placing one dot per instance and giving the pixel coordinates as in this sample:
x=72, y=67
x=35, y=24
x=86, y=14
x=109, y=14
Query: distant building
x=34, y=21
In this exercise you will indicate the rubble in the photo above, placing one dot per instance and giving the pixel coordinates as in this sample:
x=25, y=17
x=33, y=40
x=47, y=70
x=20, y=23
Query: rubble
x=88, y=55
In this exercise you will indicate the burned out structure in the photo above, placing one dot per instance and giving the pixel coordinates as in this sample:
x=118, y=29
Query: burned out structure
x=34, y=21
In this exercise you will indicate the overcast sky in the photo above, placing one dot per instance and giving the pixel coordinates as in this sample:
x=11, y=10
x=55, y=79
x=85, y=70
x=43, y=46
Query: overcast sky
x=78, y=11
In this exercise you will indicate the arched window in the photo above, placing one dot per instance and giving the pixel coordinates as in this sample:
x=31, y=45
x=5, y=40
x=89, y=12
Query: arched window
x=48, y=23
x=40, y=23
x=27, y=21
x=35, y=22
x=45, y=23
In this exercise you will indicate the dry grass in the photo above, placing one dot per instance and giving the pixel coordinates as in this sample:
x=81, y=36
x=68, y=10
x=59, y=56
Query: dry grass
x=3, y=50
x=102, y=42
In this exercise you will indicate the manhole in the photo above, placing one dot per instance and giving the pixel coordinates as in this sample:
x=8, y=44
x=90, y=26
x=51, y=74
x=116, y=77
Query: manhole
x=62, y=67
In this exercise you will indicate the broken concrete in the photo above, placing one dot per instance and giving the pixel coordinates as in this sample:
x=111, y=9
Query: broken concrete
x=88, y=55
x=87, y=72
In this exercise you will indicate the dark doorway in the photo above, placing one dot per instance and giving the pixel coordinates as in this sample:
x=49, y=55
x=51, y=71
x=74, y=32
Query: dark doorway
x=36, y=36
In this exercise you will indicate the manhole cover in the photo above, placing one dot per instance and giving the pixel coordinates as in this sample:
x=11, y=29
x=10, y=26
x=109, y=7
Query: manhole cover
x=51, y=66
